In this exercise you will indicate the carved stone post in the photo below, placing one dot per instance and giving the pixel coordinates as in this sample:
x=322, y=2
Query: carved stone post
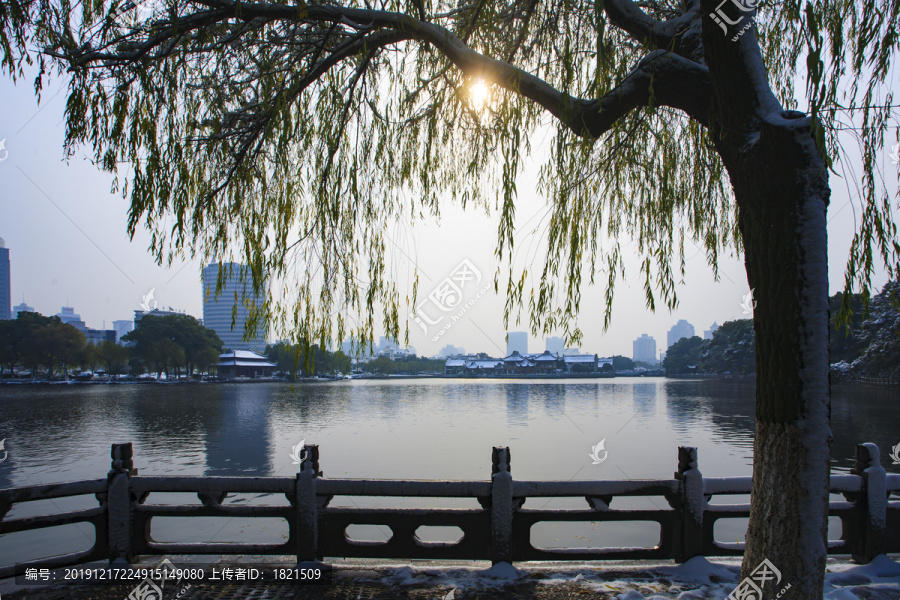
x=501, y=507
x=692, y=505
x=118, y=508
x=307, y=508
x=871, y=504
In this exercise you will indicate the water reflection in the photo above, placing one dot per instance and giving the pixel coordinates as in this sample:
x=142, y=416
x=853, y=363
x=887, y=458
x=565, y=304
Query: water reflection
x=643, y=400
x=516, y=405
x=864, y=414
x=169, y=423
x=237, y=441
x=686, y=409
x=553, y=397
x=235, y=429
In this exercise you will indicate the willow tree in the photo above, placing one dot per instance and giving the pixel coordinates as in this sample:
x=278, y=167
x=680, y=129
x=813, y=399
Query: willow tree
x=294, y=136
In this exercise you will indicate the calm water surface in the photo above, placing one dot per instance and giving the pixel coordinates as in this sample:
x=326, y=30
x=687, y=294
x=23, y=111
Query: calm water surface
x=411, y=429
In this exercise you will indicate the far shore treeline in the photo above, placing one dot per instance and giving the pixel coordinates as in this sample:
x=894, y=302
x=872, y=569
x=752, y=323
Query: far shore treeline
x=47, y=348
x=866, y=345
x=294, y=361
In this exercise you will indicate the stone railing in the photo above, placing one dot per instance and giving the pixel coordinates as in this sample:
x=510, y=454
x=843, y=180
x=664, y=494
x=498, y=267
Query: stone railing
x=500, y=530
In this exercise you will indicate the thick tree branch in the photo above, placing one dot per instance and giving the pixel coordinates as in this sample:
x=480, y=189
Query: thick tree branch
x=661, y=78
x=663, y=35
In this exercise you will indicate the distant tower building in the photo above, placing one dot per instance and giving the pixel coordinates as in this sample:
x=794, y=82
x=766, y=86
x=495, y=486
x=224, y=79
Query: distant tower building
x=555, y=345
x=21, y=308
x=517, y=341
x=217, y=310
x=386, y=345
x=451, y=350
x=681, y=329
x=5, y=285
x=644, y=349
x=122, y=328
x=68, y=315
x=707, y=335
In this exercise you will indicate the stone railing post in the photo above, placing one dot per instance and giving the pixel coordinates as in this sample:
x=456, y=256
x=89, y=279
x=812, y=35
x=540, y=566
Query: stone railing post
x=871, y=504
x=501, y=506
x=307, y=521
x=118, y=507
x=692, y=505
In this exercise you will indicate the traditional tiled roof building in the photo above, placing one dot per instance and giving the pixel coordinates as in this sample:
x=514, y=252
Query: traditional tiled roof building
x=244, y=363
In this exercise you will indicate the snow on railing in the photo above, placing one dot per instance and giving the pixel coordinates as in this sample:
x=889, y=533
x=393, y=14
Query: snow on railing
x=500, y=530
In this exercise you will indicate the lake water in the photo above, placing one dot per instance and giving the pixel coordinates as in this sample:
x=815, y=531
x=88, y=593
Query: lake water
x=405, y=429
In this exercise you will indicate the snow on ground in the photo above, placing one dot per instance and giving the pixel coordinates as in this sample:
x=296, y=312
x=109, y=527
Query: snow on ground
x=696, y=579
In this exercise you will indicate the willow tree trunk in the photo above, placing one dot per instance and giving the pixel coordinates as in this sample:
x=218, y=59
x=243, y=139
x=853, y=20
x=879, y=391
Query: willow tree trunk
x=781, y=186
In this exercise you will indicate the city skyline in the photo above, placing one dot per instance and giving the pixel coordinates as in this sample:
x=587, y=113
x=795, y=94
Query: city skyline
x=519, y=339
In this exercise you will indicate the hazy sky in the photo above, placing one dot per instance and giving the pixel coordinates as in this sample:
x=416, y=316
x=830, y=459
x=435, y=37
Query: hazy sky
x=68, y=246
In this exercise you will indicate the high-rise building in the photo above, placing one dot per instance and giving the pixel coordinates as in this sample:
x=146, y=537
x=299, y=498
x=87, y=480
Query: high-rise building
x=68, y=315
x=681, y=329
x=644, y=349
x=386, y=345
x=122, y=328
x=451, y=350
x=5, y=285
x=516, y=341
x=21, y=308
x=555, y=345
x=707, y=335
x=237, y=295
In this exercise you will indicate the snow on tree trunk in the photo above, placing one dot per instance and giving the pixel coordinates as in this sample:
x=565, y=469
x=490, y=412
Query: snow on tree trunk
x=782, y=191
